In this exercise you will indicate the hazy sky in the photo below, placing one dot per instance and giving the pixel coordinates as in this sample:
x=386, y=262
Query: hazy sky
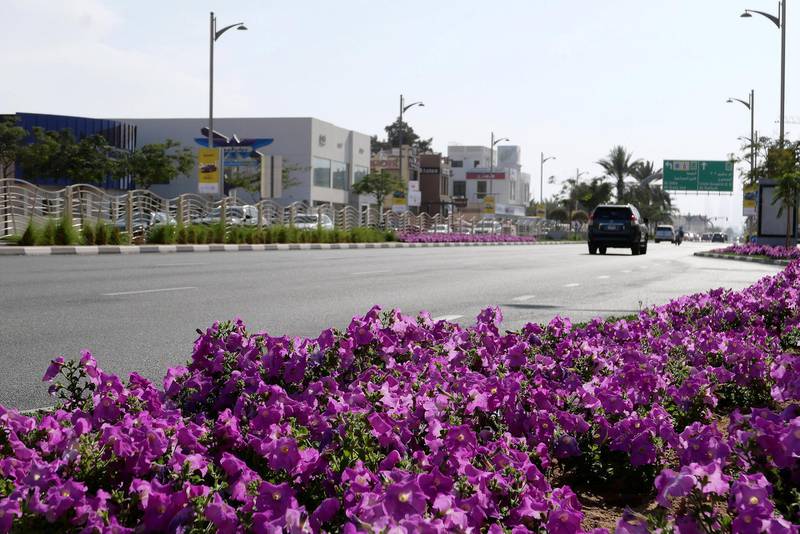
x=570, y=78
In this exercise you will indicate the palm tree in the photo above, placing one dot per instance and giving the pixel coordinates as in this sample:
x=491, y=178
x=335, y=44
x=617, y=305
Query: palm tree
x=618, y=165
x=644, y=170
x=586, y=195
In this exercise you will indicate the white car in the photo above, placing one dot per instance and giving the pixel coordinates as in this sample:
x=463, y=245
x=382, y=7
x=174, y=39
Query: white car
x=488, y=226
x=439, y=229
x=312, y=221
x=665, y=233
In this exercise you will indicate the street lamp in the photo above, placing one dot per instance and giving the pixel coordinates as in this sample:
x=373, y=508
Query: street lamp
x=403, y=109
x=751, y=105
x=542, y=159
x=780, y=22
x=213, y=36
x=491, y=160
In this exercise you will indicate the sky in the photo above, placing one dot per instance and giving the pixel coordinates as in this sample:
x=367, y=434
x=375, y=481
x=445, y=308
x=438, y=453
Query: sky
x=570, y=79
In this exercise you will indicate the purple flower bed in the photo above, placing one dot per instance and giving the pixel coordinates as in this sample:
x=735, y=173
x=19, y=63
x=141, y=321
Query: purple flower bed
x=463, y=238
x=777, y=253
x=683, y=418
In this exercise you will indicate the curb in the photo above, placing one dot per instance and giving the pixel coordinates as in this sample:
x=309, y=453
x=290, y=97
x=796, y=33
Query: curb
x=782, y=263
x=12, y=250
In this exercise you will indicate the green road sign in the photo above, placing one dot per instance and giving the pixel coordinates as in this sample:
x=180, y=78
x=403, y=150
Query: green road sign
x=686, y=175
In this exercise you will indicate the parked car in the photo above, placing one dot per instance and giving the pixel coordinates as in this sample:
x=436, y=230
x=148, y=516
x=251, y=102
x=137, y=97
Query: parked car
x=312, y=221
x=488, y=226
x=439, y=229
x=719, y=237
x=233, y=216
x=706, y=237
x=664, y=232
x=617, y=226
x=141, y=221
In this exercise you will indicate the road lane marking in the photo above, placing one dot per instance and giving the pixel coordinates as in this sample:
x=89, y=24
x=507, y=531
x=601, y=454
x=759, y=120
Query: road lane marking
x=146, y=291
x=572, y=285
x=603, y=277
x=370, y=272
x=627, y=271
x=447, y=318
x=522, y=298
x=192, y=264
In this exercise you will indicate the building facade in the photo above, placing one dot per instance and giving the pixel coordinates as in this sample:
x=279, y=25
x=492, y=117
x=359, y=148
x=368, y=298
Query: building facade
x=403, y=164
x=120, y=135
x=434, y=184
x=477, y=184
x=322, y=160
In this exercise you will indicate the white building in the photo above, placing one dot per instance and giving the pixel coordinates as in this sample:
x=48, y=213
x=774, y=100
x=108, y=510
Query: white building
x=325, y=160
x=474, y=178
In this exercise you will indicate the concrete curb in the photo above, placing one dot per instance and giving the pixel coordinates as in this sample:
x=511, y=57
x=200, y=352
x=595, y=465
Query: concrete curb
x=11, y=250
x=751, y=259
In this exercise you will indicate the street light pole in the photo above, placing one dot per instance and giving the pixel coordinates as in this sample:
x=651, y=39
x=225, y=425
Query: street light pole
x=403, y=109
x=542, y=159
x=751, y=105
x=780, y=22
x=213, y=36
x=491, y=160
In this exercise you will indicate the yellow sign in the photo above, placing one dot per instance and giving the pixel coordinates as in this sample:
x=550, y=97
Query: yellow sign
x=749, y=199
x=208, y=170
x=488, y=204
x=398, y=198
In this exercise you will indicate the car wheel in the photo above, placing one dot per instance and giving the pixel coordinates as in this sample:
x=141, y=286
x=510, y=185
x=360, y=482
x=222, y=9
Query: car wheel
x=643, y=249
x=635, y=249
x=602, y=250
x=592, y=249
x=657, y=241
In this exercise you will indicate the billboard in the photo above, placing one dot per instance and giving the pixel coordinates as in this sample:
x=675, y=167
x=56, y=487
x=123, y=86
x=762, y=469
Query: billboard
x=208, y=171
x=486, y=175
x=698, y=176
x=749, y=199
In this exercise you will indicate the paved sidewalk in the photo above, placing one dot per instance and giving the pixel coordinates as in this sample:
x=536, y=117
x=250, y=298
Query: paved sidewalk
x=751, y=259
x=11, y=250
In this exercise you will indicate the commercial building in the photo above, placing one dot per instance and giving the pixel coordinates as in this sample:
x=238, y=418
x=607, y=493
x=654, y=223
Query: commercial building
x=121, y=135
x=477, y=184
x=434, y=184
x=404, y=165
x=322, y=160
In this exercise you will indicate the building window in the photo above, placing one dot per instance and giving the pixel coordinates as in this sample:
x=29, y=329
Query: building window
x=443, y=185
x=339, y=171
x=476, y=163
x=360, y=173
x=457, y=163
x=460, y=188
x=481, y=188
x=322, y=172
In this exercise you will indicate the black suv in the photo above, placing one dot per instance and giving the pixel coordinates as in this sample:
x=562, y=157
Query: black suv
x=617, y=227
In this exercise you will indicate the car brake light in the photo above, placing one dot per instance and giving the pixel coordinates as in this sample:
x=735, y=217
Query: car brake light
x=633, y=218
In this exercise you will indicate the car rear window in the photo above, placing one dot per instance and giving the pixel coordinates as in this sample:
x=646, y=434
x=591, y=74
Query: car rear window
x=664, y=228
x=612, y=213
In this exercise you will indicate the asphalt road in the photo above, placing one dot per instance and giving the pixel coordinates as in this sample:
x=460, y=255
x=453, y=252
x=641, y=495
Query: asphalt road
x=139, y=313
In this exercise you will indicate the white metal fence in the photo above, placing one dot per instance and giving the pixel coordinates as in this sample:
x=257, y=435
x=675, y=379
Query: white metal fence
x=135, y=211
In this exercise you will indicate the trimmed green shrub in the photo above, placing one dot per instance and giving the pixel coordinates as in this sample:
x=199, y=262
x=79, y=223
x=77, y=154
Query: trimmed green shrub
x=161, y=234
x=87, y=234
x=48, y=234
x=31, y=235
x=115, y=236
x=102, y=232
x=65, y=233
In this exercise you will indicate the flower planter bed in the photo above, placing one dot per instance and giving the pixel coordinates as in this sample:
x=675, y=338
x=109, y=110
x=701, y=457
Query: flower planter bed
x=683, y=418
x=762, y=251
x=463, y=238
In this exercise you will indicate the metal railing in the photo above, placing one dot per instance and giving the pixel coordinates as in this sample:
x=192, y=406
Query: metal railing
x=133, y=212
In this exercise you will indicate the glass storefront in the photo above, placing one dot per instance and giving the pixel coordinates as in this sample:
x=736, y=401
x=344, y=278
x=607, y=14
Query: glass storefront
x=322, y=172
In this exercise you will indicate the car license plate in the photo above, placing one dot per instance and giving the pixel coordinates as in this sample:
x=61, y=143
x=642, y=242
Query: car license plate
x=612, y=227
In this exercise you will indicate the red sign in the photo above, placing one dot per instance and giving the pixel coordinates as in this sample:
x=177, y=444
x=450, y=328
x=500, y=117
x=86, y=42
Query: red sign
x=486, y=176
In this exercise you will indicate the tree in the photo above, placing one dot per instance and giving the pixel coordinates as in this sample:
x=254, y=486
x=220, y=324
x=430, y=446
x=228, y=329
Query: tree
x=585, y=195
x=58, y=155
x=559, y=215
x=393, y=138
x=783, y=165
x=155, y=163
x=379, y=184
x=642, y=170
x=618, y=165
x=11, y=143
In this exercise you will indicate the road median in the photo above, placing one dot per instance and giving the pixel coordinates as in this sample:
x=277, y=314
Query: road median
x=736, y=257
x=11, y=250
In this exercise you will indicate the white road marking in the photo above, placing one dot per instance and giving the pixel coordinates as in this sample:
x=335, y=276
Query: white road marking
x=603, y=277
x=193, y=264
x=627, y=271
x=522, y=298
x=572, y=285
x=370, y=272
x=146, y=291
x=447, y=317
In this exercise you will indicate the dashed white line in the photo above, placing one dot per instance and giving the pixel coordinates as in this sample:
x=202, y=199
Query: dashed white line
x=523, y=298
x=120, y=293
x=370, y=272
x=571, y=285
x=627, y=271
x=192, y=264
x=447, y=318
x=603, y=277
